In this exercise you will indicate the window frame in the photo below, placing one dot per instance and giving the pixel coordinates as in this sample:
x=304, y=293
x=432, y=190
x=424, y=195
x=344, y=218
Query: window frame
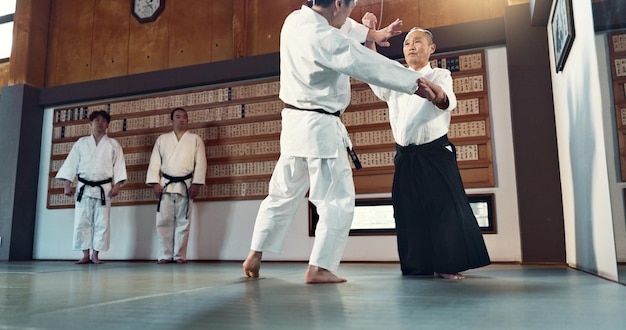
x=3, y=20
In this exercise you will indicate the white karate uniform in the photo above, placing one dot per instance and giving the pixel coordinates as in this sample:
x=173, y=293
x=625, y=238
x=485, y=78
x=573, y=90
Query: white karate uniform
x=176, y=158
x=93, y=163
x=316, y=62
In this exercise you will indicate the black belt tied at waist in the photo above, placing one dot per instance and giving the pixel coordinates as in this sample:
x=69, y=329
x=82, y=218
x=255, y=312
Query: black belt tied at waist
x=351, y=152
x=318, y=110
x=442, y=141
x=174, y=179
x=93, y=184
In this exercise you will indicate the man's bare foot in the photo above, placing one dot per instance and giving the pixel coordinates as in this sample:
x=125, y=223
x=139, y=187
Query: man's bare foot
x=96, y=259
x=456, y=276
x=181, y=261
x=316, y=275
x=252, y=264
x=84, y=260
x=164, y=261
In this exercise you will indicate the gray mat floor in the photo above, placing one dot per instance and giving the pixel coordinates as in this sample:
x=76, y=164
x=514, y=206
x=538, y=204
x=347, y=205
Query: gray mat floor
x=215, y=295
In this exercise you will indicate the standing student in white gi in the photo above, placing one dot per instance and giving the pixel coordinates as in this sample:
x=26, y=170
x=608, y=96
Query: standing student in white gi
x=177, y=170
x=98, y=162
x=437, y=232
x=319, y=50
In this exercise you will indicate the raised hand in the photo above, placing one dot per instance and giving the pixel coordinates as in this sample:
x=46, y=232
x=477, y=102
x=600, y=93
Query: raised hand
x=380, y=37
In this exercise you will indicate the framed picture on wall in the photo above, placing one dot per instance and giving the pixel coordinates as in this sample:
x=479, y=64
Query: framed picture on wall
x=562, y=31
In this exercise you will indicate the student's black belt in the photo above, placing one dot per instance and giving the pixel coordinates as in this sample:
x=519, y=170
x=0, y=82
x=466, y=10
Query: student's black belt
x=93, y=184
x=318, y=110
x=174, y=179
x=351, y=152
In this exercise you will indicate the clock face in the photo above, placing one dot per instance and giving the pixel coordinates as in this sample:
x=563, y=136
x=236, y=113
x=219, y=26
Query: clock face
x=147, y=10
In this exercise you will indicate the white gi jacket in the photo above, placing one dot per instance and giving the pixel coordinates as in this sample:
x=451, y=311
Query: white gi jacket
x=413, y=119
x=94, y=163
x=316, y=62
x=177, y=158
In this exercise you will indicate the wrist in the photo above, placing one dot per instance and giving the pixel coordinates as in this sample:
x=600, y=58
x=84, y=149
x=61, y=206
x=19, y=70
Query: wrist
x=443, y=103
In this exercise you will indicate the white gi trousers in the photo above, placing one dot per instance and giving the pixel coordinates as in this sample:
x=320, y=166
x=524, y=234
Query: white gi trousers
x=91, y=224
x=331, y=191
x=172, y=223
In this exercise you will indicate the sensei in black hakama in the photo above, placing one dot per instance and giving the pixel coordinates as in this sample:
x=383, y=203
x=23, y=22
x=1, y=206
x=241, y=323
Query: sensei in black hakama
x=436, y=229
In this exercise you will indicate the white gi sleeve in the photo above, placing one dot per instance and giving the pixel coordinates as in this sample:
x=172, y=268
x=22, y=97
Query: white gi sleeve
x=70, y=166
x=199, y=172
x=119, y=164
x=153, y=174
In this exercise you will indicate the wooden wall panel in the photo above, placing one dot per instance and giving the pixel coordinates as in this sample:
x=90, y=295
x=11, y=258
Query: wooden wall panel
x=148, y=44
x=239, y=29
x=391, y=9
x=52, y=54
x=222, y=24
x=4, y=74
x=30, y=41
x=448, y=12
x=265, y=19
x=94, y=39
x=190, y=24
x=496, y=7
x=109, y=56
x=71, y=40
x=428, y=13
x=407, y=11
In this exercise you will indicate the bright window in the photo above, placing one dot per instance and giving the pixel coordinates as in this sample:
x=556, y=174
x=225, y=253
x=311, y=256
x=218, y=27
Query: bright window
x=7, y=9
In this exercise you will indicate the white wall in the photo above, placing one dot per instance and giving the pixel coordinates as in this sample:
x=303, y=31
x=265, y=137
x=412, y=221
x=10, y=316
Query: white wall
x=222, y=230
x=581, y=141
x=612, y=147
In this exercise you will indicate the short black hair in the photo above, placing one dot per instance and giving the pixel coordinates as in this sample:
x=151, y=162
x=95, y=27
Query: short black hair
x=324, y=3
x=100, y=113
x=177, y=109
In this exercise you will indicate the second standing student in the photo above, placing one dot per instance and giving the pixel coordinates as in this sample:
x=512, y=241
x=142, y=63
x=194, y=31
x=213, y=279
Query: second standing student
x=176, y=172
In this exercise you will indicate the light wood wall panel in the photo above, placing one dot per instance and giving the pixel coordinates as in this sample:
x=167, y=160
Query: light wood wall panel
x=30, y=40
x=429, y=13
x=4, y=74
x=264, y=21
x=148, y=48
x=190, y=31
x=448, y=12
x=109, y=57
x=70, y=42
x=148, y=44
x=405, y=10
x=223, y=26
x=239, y=28
x=95, y=39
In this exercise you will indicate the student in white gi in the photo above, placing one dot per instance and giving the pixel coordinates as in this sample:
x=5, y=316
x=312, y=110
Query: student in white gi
x=98, y=162
x=319, y=50
x=437, y=233
x=177, y=170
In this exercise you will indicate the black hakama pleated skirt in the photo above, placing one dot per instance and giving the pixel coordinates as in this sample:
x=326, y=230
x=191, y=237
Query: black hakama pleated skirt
x=435, y=225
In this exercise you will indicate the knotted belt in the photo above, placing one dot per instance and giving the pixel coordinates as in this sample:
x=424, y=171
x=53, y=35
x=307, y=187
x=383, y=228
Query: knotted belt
x=174, y=179
x=93, y=184
x=318, y=110
x=351, y=152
